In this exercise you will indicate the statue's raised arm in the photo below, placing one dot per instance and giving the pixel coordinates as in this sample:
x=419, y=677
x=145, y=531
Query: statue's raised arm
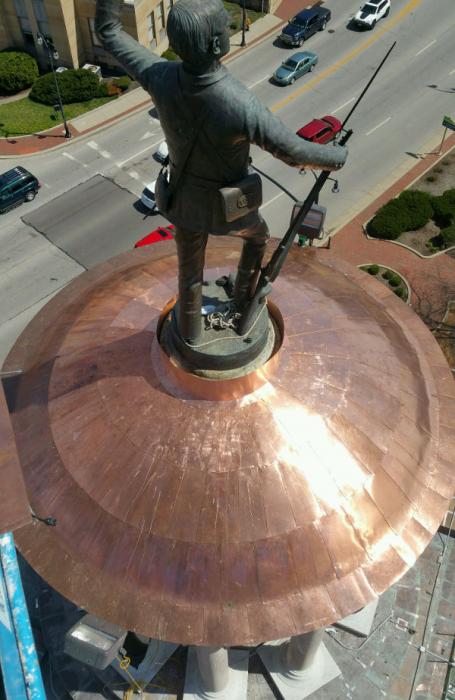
x=135, y=58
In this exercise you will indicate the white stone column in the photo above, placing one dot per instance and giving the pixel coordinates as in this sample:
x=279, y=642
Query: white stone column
x=300, y=652
x=300, y=665
x=213, y=669
x=216, y=673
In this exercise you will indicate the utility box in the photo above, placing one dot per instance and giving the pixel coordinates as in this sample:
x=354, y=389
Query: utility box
x=96, y=70
x=95, y=642
x=313, y=224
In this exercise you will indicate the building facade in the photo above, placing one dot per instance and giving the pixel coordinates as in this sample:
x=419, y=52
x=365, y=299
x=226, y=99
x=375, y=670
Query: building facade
x=70, y=26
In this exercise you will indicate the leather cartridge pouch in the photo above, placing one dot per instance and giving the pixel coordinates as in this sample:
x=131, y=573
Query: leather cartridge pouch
x=241, y=197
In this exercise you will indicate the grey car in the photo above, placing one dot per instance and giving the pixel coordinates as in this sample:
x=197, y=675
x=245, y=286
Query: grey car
x=294, y=67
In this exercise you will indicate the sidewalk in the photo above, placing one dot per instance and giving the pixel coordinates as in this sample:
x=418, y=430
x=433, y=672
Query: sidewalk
x=128, y=103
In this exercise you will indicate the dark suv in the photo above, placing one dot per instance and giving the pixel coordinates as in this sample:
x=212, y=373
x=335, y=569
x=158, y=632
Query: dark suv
x=304, y=25
x=16, y=186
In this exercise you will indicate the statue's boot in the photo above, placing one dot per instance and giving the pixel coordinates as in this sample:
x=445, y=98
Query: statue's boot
x=191, y=253
x=189, y=322
x=247, y=273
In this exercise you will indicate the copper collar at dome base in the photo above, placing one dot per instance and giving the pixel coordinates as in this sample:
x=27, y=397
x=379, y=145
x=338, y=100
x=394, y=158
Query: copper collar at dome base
x=224, y=388
x=222, y=522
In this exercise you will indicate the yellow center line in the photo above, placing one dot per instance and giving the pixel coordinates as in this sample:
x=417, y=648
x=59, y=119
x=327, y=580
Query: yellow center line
x=411, y=5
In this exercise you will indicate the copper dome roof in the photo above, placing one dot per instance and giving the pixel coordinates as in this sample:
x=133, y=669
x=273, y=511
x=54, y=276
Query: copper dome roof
x=231, y=521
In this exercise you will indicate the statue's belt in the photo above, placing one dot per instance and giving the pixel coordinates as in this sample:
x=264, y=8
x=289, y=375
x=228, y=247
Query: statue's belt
x=204, y=182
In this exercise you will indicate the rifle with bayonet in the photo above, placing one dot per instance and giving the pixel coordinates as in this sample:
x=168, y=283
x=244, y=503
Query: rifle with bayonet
x=271, y=270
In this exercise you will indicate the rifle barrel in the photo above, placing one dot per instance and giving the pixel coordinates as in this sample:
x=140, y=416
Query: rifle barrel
x=369, y=83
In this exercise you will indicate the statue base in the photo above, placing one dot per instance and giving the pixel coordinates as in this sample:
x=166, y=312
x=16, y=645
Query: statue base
x=219, y=348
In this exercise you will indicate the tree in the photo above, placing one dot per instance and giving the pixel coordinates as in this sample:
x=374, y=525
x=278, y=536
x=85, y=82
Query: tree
x=435, y=304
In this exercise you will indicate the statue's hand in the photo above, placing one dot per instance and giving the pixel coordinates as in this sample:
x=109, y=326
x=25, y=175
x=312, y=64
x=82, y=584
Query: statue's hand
x=338, y=156
x=329, y=157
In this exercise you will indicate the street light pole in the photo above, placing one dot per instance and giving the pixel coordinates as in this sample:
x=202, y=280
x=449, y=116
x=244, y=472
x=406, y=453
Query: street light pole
x=243, y=42
x=52, y=53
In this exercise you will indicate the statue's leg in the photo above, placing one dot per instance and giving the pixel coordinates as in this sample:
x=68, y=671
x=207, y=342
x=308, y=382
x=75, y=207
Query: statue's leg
x=191, y=255
x=249, y=266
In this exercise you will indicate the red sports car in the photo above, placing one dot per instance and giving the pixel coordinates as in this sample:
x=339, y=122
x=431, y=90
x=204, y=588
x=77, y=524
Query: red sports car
x=161, y=233
x=320, y=130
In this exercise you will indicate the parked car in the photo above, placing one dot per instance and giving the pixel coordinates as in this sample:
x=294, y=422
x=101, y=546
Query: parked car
x=321, y=130
x=16, y=186
x=148, y=196
x=162, y=152
x=294, y=67
x=305, y=24
x=162, y=233
x=369, y=14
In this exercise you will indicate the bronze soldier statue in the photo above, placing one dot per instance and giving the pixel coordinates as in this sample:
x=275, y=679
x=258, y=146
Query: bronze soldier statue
x=209, y=120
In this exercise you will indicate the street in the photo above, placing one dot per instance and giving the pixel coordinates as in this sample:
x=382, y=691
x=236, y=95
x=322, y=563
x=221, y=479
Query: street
x=87, y=208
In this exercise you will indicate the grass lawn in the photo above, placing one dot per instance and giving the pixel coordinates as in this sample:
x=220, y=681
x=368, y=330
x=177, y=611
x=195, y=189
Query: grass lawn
x=235, y=13
x=24, y=116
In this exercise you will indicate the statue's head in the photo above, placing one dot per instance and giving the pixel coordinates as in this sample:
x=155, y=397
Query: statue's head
x=198, y=31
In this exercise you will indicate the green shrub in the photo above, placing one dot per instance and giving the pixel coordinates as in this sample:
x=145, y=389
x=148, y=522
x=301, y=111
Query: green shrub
x=395, y=280
x=170, y=54
x=123, y=82
x=436, y=243
x=387, y=274
x=103, y=90
x=399, y=291
x=76, y=85
x=448, y=236
x=391, y=220
x=418, y=208
x=411, y=210
x=18, y=71
x=449, y=196
x=443, y=210
x=373, y=269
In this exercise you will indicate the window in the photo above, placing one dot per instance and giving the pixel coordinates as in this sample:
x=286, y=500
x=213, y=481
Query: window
x=41, y=18
x=93, y=35
x=21, y=10
x=160, y=11
x=39, y=10
x=151, y=31
x=24, y=22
